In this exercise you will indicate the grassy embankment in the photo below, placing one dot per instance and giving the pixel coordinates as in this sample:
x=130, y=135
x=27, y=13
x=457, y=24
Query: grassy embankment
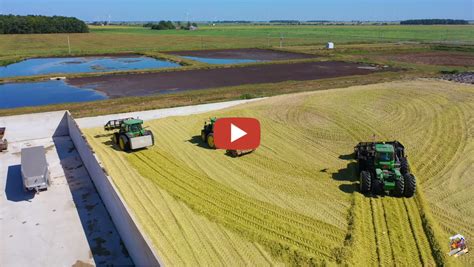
x=294, y=200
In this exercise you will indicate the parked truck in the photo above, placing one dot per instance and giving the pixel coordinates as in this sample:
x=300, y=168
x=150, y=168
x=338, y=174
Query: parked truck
x=34, y=168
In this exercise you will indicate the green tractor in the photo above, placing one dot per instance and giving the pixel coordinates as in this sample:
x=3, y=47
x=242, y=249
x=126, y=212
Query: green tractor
x=130, y=135
x=207, y=133
x=384, y=167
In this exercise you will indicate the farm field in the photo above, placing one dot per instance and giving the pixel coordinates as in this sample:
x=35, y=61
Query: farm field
x=110, y=39
x=295, y=199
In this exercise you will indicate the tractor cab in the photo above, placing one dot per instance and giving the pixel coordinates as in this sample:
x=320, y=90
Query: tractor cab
x=384, y=156
x=133, y=127
x=385, y=166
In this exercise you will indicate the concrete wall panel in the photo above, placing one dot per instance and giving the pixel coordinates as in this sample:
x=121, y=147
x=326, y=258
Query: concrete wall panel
x=138, y=246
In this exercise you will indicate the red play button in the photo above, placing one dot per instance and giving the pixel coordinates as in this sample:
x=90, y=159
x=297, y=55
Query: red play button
x=237, y=133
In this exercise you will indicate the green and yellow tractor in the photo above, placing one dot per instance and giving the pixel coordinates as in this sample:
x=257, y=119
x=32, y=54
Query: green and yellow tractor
x=383, y=167
x=130, y=135
x=207, y=133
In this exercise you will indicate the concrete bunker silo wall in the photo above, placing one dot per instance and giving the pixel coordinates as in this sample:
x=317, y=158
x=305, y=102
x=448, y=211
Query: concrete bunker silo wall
x=60, y=123
x=138, y=246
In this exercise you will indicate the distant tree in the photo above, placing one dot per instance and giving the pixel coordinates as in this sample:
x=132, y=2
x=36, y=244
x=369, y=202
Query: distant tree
x=11, y=24
x=194, y=24
x=434, y=22
x=163, y=25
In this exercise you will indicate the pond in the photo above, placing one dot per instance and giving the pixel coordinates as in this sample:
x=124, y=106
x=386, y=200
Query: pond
x=14, y=95
x=41, y=66
x=219, y=61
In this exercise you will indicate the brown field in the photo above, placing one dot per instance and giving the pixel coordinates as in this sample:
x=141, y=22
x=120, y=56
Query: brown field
x=152, y=83
x=435, y=58
x=245, y=53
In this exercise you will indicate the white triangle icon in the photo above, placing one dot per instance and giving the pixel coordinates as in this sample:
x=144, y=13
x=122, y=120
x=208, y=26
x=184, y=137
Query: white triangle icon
x=236, y=133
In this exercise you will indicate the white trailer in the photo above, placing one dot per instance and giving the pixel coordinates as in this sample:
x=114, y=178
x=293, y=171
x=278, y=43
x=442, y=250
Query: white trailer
x=34, y=168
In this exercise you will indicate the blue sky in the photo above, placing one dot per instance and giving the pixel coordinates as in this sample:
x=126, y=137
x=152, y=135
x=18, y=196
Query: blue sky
x=243, y=9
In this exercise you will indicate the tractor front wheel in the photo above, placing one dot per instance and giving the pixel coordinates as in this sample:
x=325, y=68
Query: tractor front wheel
x=123, y=143
x=410, y=185
x=210, y=140
x=399, y=187
x=115, y=138
x=203, y=135
x=365, y=182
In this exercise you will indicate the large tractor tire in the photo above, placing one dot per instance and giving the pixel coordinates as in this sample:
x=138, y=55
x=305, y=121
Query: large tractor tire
x=115, y=138
x=404, y=169
x=399, y=187
x=365, y=182
x=124, y=144
x=210, y=140
x=410, y=185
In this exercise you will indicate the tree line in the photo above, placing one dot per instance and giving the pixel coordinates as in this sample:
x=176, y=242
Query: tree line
x=11, y=24
x=168, y=25
x=434, y=22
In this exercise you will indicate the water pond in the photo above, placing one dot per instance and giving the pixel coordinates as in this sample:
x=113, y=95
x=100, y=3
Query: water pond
x=42, y=66
x=220, y=61
x=14, y=95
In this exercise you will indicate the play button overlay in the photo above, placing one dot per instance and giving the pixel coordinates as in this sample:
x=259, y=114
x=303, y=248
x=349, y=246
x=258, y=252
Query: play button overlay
x=237, y=133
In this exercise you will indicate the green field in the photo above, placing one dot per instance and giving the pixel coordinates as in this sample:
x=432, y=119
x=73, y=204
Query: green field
x=294, y=200
x=138, y=39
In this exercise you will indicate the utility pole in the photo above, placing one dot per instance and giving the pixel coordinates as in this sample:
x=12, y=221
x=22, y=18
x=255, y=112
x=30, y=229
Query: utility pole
x=69, y=44
x=268, y=40
x=281, y=40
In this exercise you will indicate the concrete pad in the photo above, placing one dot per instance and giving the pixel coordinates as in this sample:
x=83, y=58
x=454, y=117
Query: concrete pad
x=64, y=225
x=100, y=121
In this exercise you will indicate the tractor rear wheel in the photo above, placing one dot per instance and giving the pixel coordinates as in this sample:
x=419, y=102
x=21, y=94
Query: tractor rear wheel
x=123, y=143
x=365, y=181
x=210, y=140
x=410, y=185
x=399, y=187
x=404, y=166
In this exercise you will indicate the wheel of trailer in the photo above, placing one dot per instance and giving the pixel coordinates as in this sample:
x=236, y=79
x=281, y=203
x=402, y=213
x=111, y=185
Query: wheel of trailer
x=210, y=140
x=399, y=187
x=365, y=182
x=403, y=166
x=123, y=143
x=410, y=185
x=203, y=135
